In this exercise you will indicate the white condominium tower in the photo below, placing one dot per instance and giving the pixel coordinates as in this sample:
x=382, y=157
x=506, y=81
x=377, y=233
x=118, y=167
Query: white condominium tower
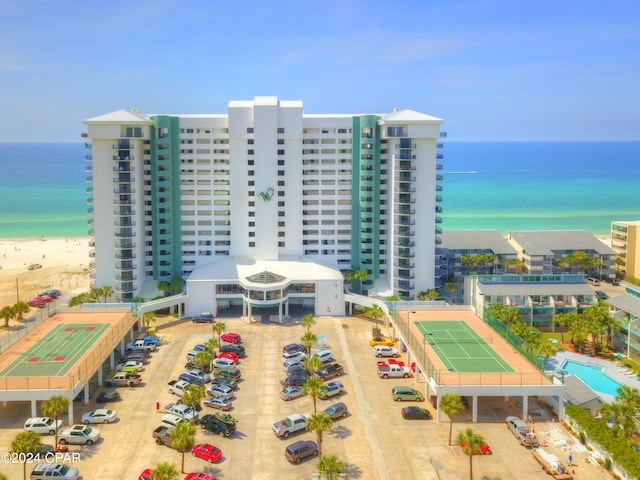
x=264, y=205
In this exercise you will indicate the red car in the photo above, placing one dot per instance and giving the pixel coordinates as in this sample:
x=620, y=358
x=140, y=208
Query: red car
x=485, y=449
x=36, y=303
x=199, y=476
x=44, y=298
x=231, y=337
x=145, y=475
x=230, y=355
x=207, y=452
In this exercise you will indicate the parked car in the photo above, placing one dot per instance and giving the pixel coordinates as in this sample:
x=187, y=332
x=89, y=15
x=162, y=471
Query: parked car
x=296, y=368
x=46, y=471
x=106, y=397
x=298, y=451
x=51, y=293
x=601, y=294
x=101, y=415
x=203, y=318
x=191, y=366
x=291, y=392
x=226, y=382
x=381, y=341
x=295, y=380
x=231, y=337
x=230, y=355
x=196, y=372
x=415, y=413
x=218, y=403
x=231, y=372
x=130, y=366
x=324, y=356
x=79, y=435
x=384, y=351
x=36, y=303
x=44, y=298
x=337, y=410
x=330, y=370
x=137, y=356
x=297, y=356
x=201, y=347
x=191, y=379
x=406, y=393
x=220, y=391
x=199, y=476
x=207, y=452
x=43, y=425
x=332, y=389
x=294, y=347
x=594, y=281
x=34, y=266
x=232, y=347
x=214, y=424
x=223, y=363
x=170, y=420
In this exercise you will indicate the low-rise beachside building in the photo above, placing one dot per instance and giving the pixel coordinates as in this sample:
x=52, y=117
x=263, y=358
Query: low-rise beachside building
x=540, y=251
x=188, y=195
x=626, y=308
x=625, y=240
x=538, y=297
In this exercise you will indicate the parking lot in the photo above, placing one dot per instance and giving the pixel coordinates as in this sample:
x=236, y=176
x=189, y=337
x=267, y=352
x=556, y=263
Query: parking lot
x=374, y=441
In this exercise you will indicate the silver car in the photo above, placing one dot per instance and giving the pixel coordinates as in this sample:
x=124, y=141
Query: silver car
x=290, y=393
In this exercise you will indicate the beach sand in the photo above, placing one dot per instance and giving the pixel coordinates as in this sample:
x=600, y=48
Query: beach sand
x=65, y=267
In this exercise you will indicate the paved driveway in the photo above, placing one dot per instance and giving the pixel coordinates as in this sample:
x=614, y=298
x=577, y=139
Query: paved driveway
x=374, y=441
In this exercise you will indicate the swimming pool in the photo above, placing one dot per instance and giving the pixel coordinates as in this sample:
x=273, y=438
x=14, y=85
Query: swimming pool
x=593, y=376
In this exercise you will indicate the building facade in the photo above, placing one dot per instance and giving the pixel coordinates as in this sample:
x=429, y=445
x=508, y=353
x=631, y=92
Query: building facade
x=170, y=195
x=626, y=243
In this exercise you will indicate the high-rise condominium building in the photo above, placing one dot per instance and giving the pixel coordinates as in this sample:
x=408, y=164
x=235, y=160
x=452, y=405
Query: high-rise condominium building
x=286, y=198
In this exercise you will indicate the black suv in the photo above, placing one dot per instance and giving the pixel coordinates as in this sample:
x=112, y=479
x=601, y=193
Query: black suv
x=294, y=347
x=233, y=348
x=213, y=424
x=297, y=451
x=295, y=380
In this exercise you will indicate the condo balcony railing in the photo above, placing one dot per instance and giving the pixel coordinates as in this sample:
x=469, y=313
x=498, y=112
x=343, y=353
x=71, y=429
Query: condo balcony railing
x=439, y=166
x=124, y=222
x=124, y=189
x=126, y=277
x=89, y=179
x=88, y=158
x=439, y=178
x=125, y=256
x=124, y=167
x=90, y=200
x=404, y=177
x=91, y=232
x=124, y=178
x=118, y=200
x=443, y=134
x=405, y=189
x=126, y=266
x=438, y=198
x=403, y=242
x=404, y=145
x=91, y=222
x=438, y=219
x=128, y=287
x=404, y=276
x=123, y=157
x=123, y=145
x=125, y=244
x=438, y=188
x=124, y=212
x=403, y=284
x=90, y=189
x=403, y=221
x=403, y=264
x=439, y=145
x=404, y=232
x=404, y=167
x=438, y=209
x=404, y=199
x=90, y=211
x=124, y=233
x=405, y=253
x=88, y=168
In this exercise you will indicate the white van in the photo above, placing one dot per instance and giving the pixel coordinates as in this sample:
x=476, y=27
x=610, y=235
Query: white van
x=594, y=281
x=43, y=425
x=384, y=351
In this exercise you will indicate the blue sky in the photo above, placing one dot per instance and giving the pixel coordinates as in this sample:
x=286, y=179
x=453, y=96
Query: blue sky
x=493, y=69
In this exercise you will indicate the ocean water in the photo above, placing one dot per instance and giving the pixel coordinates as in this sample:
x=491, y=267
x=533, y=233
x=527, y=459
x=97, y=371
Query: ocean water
x=504, y=186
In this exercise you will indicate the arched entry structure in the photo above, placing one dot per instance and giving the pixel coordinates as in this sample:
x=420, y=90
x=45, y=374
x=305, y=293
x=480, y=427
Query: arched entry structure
x=256, y=284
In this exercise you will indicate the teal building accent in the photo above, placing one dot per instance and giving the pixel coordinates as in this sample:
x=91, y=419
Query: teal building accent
x=365, y=195
x=165, y=198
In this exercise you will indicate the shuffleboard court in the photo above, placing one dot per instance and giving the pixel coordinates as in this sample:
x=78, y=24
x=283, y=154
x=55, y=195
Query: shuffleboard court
x=58, y=351
x=461, y=349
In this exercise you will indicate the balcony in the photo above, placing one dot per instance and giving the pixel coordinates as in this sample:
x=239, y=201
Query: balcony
x=403, y=242
x=403, y=284
x=404, y=253
x=125, y=255
x=124, y=167
x=124, y=222
x=124, y=200
x=404, y=146
x=126, y=277
x=403, y=264
x=126, y=266
x=405, y=189
x=125, y=233
x=123, y=145
x=89, y=179
x=404, y=232
x=404, y=177
x=405, y=276
x=406, y=199
x=90, y=200
x=124, y=189
x=404, y=221
x=128, y=287
x=119, y=158
x=403, y=210
x=124, y=178
x=124, y=212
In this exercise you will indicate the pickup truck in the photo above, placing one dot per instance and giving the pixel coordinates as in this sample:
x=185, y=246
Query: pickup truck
x=330, y=370
x=181, y=410
x=393, y=371
x=292, y=424
x=123, y=379
x=79, y=435
x=140, y=345
x=522, y=432
x=162, y=436
x=177, y=387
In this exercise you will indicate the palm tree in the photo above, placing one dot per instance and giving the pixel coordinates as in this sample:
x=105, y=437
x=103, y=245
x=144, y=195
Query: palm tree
x=165, y=471
x=319, y=423
x=54, y=407
x=7, y=313
x=451, y=287
x=546, y=350
x=472, y=442
x=451, y=404
x=184, y=436
x=202, y=360
x=314, y=387
x=106, y=292
x=27, y=443
x=193, y=395
x=212, y=344
x=358, y=275
x=430, y=294
x=375, y=312
x=330, y=466
x=312, y=364
x=148, y=318
x=308, y=321
x=218, y=328
x=20, y=308
x=309, y=339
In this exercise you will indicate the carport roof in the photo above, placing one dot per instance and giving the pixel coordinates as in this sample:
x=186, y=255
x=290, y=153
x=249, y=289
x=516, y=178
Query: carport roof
x=627, y=303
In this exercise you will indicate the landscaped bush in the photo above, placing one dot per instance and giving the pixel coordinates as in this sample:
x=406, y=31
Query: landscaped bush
x=598, y=431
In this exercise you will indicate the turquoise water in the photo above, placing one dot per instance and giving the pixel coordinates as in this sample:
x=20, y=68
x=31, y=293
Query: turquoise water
x=592, y=376
x=504, y=186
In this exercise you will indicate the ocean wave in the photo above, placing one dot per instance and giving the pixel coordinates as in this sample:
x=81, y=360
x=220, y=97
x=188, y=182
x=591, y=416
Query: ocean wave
x=463, y=172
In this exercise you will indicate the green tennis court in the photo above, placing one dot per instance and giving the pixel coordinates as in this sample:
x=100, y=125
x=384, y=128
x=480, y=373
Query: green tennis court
x=55, y=353
x=460, y=348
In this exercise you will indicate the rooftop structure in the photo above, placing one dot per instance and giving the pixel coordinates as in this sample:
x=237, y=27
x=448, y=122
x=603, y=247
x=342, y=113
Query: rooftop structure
x=625, y=240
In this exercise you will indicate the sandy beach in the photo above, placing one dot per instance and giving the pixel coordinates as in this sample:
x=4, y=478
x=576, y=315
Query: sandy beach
x=64, y=261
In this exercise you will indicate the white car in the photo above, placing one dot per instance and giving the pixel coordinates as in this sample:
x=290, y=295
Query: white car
x=293, y=357
x=79, y=435
x=286, y=366
x=218, y=403
x=129, y=366
x=101, y=415
x=220, y=391
x=223, y=363
x=324, y=356
x=42, y=425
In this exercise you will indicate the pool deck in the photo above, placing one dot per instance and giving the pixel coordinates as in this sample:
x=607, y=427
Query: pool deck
x=612, y=369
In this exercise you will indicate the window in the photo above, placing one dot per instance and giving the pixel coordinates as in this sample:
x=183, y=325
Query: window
x=281, y=141
x=250, y=162
x=249, y=129
x=250, y=152
x=250, y=141
x=280, y=130
x=281, y=152
x=281, y=163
